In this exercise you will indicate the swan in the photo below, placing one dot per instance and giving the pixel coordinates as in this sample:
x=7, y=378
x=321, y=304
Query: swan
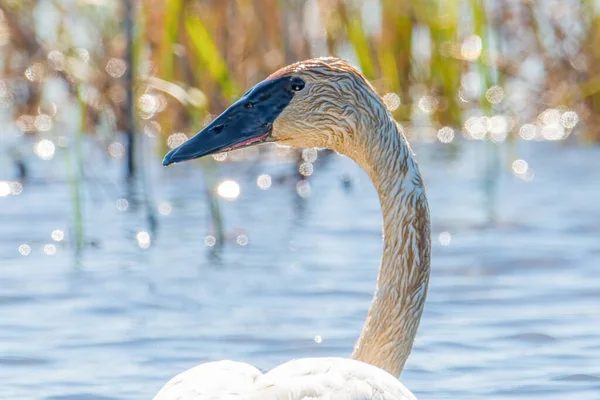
x=327, y=103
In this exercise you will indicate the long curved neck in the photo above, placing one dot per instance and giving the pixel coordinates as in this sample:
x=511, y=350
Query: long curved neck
x=393, y=318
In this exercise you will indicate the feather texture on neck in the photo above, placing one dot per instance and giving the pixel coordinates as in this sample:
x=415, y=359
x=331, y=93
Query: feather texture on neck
x=381, y=149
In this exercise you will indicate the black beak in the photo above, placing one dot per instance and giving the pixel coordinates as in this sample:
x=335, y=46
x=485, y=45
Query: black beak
x=248, y=121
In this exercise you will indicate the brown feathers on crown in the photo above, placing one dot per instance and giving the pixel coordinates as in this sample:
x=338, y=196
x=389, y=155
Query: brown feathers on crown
x=321, y=67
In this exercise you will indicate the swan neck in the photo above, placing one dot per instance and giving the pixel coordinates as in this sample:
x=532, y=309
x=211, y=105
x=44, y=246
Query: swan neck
x=395, y=312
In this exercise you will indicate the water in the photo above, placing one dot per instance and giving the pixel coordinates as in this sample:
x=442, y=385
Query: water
x=513, y=308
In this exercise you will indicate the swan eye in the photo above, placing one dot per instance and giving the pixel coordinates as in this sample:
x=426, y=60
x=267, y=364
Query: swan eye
x=297, y=84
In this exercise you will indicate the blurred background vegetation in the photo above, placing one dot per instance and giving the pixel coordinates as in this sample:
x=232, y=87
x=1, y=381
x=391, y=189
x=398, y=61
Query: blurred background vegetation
x=129, y=75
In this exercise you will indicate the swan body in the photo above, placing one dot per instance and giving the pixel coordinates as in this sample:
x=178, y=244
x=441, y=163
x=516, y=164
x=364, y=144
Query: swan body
x=307, y=378
x=328, y=103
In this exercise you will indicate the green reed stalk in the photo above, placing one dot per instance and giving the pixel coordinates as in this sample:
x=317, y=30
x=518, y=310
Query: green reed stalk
x=490, y=184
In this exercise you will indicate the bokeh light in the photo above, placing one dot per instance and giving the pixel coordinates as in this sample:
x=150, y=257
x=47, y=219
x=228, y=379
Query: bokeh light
x=498, y=128
x=391, y=101
x=303, y=189
x=57, y=235
x=528, y=132
x=10, y=188
x=15, y=188
x=476, y=127
x=24, y=249
x=49, y=249
x=122, y=204
x=445, y=134
x=43, y=122
x=495, y=94
x=220, y=157
x=26, y=123
x=210, y=241
x=4, y=189
x=165, y=208
x=569, y=119
x=228, y=189
x=263, y=181
x=428, y=104
x=445, y=238
x=553, y=132
x=143, y=239
x=305, y=169
x=520, y=166
x=44, y=149
x=116, y=150
x=242, y=240
x=176, y=139
x=116, y=67
x=471, y=48
x=148, y=105
x=310, y=155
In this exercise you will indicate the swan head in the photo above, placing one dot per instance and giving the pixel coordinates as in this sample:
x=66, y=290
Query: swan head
x=314, y=103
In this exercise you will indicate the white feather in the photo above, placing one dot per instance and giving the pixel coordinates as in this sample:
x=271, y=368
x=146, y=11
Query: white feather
x=303, y=379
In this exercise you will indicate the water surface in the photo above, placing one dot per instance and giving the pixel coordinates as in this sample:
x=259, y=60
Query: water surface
x=512, y=313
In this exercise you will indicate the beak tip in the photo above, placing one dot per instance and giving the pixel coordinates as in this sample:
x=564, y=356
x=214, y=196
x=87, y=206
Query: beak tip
x=168, y=160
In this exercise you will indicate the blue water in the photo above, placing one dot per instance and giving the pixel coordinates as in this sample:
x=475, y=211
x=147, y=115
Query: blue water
x=513, y=310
